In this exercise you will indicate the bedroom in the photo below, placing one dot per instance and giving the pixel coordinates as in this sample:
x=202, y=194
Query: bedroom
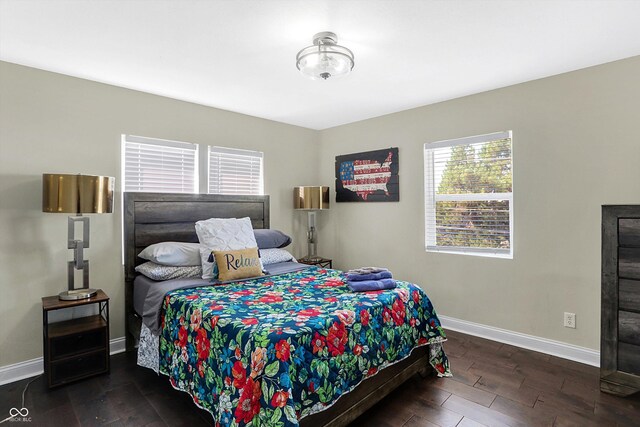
x=573, y=125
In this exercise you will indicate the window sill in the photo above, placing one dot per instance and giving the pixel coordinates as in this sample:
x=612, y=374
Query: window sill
x=480, y=253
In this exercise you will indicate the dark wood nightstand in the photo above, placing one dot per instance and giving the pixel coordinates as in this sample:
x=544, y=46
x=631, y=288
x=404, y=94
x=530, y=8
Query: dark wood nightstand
x=319, y=261
x=76, y=348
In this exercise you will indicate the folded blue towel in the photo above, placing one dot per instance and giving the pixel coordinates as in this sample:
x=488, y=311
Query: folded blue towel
x=370, y=276
x=371, y=285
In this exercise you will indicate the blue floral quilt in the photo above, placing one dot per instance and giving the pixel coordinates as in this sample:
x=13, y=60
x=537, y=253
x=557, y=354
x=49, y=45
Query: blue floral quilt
x=270, y=351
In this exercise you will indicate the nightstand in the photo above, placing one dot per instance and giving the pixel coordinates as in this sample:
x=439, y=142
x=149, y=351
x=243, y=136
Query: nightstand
x=319, y=261
x=77, y=348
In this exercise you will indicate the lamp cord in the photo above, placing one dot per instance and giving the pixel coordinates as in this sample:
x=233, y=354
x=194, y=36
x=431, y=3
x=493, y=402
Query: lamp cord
x=23, y=393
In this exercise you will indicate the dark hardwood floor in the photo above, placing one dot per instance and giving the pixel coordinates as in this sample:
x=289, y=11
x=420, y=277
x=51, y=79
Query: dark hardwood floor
x=494, y=384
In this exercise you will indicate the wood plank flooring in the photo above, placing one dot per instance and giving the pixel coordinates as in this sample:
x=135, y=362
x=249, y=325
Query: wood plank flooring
x=497, y=384
x=494, y=384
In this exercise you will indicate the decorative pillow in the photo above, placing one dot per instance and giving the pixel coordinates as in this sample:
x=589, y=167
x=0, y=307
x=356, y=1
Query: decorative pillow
x=240, y=264
x=166, y=272
x=176, y=254
x=223, y=234
x=268, y=239
x=274, y=256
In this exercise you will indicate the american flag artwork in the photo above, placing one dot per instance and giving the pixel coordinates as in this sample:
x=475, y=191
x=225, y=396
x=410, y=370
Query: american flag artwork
x=365, y=174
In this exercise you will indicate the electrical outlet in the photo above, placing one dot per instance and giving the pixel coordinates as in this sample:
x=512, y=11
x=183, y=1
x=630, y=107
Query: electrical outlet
x=569, y=320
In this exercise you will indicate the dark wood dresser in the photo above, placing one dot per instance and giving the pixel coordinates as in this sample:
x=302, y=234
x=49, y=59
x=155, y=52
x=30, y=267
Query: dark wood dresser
x=620, y=334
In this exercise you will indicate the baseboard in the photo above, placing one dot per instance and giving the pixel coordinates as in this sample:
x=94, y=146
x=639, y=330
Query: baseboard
x=117, y=345
x=33, y=367
x=530, y=342
x=30, y=368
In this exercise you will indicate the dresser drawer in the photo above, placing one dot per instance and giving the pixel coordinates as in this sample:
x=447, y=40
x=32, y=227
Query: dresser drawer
x=629, y=358
x=629, y=328
x=629, y=295
x=629, y=263
x=629, y=232
x=74, y=368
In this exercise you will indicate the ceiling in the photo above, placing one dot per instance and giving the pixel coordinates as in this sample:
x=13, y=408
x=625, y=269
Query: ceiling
x=240, y=55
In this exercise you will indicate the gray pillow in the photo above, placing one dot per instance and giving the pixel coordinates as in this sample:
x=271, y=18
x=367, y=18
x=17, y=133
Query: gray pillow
x=167, y=272
x=267, y=238
x=275, y=255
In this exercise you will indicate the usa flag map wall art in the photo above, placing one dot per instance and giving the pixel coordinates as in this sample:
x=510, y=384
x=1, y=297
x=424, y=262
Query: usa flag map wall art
x=371, y=176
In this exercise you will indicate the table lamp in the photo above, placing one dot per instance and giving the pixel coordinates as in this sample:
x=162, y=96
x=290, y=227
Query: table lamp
x=77, y=194
x=311, y=199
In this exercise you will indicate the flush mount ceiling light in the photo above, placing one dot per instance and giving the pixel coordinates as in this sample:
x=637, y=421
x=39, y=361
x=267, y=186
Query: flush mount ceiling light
x=325, y=58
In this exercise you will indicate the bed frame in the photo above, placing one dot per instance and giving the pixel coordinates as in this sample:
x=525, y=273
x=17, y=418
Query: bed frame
x=159, y=217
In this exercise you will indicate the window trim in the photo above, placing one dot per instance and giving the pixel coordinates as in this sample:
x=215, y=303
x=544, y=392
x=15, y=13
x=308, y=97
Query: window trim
x=431, y=197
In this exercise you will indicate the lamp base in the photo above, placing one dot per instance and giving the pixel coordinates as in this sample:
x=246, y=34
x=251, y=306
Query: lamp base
x=77, y=294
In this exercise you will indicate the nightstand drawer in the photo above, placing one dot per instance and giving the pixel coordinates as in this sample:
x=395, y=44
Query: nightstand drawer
x=78, y=367
x=83, y=342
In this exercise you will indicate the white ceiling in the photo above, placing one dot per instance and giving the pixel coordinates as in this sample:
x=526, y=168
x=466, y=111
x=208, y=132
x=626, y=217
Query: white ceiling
x=240, y=55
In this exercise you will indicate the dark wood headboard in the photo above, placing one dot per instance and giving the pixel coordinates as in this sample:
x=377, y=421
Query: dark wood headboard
x=162, y=217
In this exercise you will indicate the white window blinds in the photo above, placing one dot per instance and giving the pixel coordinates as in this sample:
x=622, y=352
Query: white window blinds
x=234, y=171
x=469, y=195
x=159, y=166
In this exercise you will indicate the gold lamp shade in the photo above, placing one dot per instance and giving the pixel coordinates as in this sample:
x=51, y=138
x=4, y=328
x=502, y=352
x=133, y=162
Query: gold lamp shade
x=77, y=194
x=311, y=198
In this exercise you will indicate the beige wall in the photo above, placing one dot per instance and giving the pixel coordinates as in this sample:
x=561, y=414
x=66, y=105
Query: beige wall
x=54, y=123
x=575, y=147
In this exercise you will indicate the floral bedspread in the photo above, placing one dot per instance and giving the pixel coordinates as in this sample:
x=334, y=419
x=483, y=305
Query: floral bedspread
x=270, y=351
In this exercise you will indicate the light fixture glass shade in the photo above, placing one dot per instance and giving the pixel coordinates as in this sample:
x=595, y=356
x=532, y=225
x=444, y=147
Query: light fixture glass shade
x=77, y=194
x=325, y=58
x=311, y=198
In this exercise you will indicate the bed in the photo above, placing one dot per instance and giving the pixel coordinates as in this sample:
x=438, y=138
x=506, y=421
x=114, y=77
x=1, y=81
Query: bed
x=265, y=331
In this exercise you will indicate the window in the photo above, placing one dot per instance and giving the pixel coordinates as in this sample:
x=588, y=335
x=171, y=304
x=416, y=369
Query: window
x=233, y=171
x=469, y=195
x=159, y=166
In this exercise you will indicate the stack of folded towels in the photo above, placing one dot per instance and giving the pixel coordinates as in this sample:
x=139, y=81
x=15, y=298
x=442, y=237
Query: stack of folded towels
x=370, y=279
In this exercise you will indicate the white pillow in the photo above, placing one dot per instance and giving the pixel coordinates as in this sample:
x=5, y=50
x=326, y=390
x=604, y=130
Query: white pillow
x=223, y=234
x=274, y=256
x=177, y=254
